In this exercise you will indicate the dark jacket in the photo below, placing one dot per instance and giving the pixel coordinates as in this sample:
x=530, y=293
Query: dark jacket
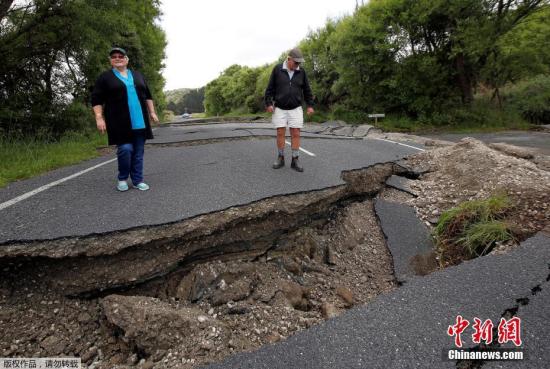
x=286, y=93
x=111, y=92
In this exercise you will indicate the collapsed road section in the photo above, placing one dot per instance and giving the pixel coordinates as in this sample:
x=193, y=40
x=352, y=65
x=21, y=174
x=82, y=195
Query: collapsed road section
x=193, y=292
x=162, y=295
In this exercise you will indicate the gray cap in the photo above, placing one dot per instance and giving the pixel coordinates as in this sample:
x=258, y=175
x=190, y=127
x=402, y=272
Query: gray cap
x=117, y=50
x=296, y=55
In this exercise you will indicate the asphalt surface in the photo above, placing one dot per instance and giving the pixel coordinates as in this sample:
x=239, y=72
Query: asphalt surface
x=184, y=133
x=536, y=335
x=537, y=140
x=406, y=236
x=407, y=328
x=185, y=181
x=401, y=183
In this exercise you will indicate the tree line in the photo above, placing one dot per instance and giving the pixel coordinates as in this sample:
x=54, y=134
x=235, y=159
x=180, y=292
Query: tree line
x=415, y=58
x=52, y=51
x=185, y=100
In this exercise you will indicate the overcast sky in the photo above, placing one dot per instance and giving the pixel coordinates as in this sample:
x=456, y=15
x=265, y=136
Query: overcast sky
x=207, y=36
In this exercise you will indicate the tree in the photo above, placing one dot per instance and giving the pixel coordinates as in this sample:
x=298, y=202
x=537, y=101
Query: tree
x=53, y=50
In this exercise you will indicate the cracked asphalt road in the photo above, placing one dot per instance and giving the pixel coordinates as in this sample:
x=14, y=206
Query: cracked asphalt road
x=185, y=181
x=402, y=329
x=407, y=328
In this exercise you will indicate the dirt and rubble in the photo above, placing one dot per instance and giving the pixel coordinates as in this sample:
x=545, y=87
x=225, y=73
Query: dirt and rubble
x=231, y=280
x=209, y=310
x=472, y=170
x=183, y=295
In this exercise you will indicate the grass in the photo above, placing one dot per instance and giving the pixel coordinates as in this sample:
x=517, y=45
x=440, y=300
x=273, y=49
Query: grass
x=472, y=228
x=480, y=237
x=478, y=119
x=482, y=116
x=25, y=158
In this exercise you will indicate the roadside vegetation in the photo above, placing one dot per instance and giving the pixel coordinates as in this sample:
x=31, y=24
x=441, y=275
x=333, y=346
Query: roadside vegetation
x=185, y=100
x=428, y=65
x=472, y=229
x=27, y=157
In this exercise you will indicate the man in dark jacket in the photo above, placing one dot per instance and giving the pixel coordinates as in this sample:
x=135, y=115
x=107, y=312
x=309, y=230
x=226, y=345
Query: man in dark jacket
x=283, y=97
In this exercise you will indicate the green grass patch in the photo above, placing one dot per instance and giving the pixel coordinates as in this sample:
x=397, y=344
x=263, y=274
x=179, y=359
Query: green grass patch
x=479, y=238
x=481, y=117
x=27, y=157
x=472, y=228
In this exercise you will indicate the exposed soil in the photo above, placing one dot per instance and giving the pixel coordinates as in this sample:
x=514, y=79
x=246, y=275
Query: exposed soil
x=209, y=310
x=185, y=294
x=472, y=170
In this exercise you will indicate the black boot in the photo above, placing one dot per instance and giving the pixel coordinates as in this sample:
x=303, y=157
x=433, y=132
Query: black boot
x=279, y=163
x=296, y=165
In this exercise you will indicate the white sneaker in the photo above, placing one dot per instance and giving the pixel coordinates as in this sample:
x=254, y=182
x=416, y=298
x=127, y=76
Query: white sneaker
x=122, y=186
x=142, y=186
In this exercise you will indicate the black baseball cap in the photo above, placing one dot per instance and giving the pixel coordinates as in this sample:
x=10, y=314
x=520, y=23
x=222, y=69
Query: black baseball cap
x=117, y=50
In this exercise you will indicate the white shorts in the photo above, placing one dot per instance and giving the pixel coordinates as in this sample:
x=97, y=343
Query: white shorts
x=293, y=118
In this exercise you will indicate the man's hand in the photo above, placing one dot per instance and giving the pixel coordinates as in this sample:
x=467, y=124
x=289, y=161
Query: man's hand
x=154, y=117
x=269, y=109
x=310, y=110
x=100, y=123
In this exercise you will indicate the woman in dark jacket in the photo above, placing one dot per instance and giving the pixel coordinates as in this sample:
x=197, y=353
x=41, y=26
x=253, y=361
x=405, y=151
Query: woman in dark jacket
x=122, y=106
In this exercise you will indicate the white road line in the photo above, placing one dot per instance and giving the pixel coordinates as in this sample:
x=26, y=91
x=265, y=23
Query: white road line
x=399, y=143
x=50, y=185
x=304, y=150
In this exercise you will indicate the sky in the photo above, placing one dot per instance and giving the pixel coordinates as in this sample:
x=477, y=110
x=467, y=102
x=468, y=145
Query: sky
x=207, y=36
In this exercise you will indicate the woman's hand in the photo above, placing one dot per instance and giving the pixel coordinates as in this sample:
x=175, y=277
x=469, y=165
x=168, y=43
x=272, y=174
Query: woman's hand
x=154, y=117
x=100, y=123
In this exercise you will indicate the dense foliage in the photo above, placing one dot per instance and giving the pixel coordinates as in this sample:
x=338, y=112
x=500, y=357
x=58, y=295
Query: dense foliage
x=185, y=100
x=421, y=59
x=531, y=98
x=53, y=50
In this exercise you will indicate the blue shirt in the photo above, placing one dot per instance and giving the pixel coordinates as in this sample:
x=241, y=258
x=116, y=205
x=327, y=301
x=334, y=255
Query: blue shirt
x=136, y=114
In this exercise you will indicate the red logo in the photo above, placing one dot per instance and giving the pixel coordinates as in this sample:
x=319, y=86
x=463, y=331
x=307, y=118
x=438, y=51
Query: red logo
x=457, y=329
x=508, y=330
x=483, y=332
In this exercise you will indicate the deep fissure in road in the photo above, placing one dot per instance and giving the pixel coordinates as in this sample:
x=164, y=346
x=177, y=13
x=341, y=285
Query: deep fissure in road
x=195, y=291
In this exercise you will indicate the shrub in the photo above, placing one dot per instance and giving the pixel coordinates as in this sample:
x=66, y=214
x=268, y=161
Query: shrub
x=531, y=98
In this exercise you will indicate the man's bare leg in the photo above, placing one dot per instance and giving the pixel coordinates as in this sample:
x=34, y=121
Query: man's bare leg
x=281, y=138
x=295, y=139
x=295, y=145
x=280, y=162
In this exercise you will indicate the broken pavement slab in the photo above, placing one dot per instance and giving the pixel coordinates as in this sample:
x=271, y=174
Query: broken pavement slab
x=516, y=151
x=408, y=239
x=343, y=131
x=402, y=184
x=183, y=134
x=407, y=328
x=363, y=130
